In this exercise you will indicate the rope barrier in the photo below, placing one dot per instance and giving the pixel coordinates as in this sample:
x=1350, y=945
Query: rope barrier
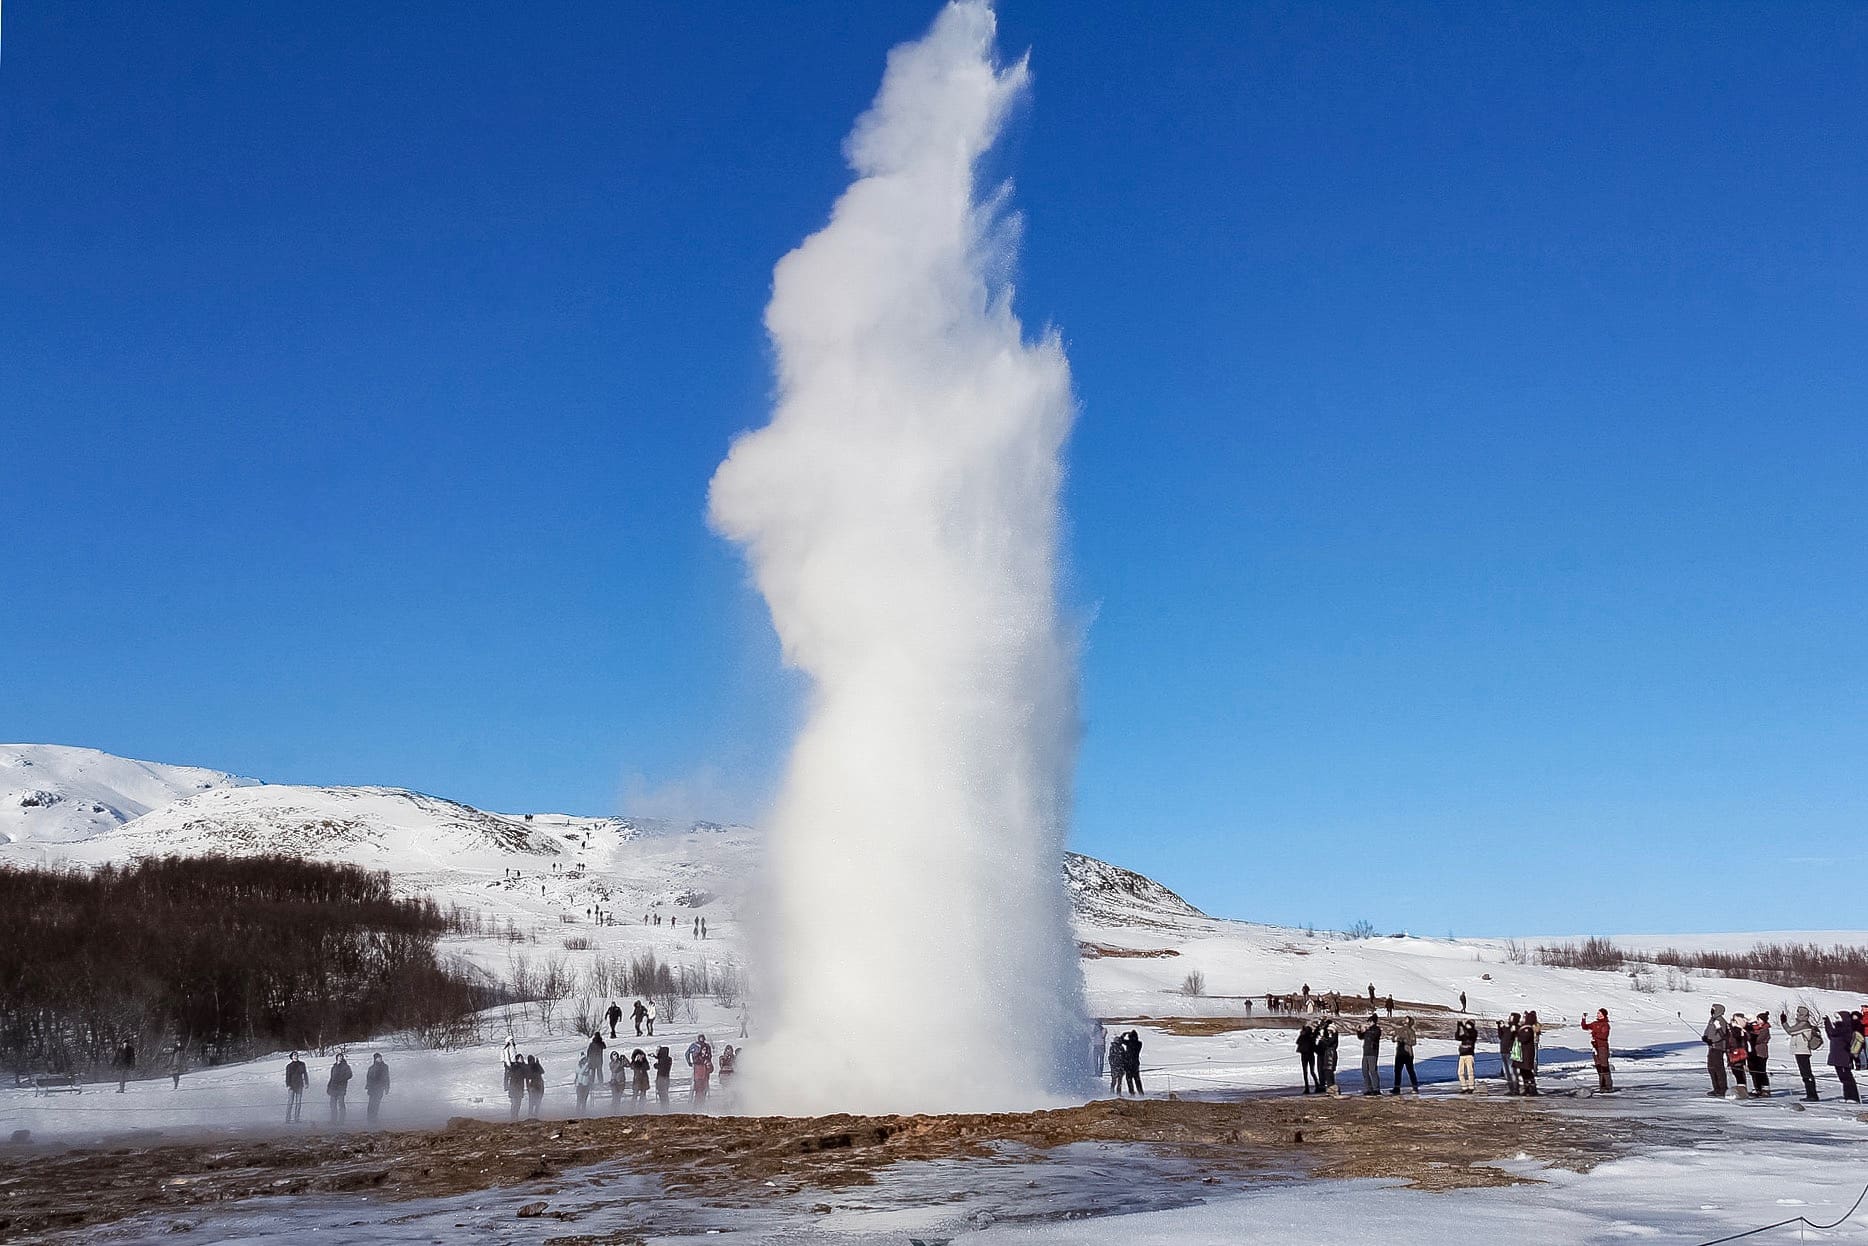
x=1803, y=1220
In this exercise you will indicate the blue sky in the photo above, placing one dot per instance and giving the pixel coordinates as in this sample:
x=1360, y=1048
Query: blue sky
x=1468, y=497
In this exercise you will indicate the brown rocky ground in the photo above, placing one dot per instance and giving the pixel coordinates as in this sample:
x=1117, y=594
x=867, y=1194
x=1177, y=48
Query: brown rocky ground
x=1433, y=1144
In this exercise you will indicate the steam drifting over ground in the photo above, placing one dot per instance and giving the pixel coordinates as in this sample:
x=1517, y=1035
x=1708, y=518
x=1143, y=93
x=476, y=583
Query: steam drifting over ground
x=901, y=516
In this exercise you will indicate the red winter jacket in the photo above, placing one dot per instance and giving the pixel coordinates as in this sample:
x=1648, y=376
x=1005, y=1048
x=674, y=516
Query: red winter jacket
x=1598, y=1033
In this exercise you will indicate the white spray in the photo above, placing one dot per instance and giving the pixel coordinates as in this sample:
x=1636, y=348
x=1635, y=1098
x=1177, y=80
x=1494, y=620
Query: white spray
x=901, y=515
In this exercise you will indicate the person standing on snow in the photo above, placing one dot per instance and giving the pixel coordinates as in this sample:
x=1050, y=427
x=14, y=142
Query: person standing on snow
x=337, y=1089
x=1508, y=1067
x=700, y=1059
x=595, y=1052
x=585, y=1080
x=651, y=1018
x=1132, y=1061
x=1466, y=1035
x=1307, y=1057
x=1841, y=1034
x=1327, y=1040
x=1737, y=1050
x=1598, y=1031
x=1758, y=1039
x=515, y=1080
x=619, y=1080
x=1805, y=1040
x=1528, y=1033
x=664, y=1064
x=376, y=1085
x=296, y=1079
x=178, y=1064
x=614, y=1015
x=125, y=1060
x=534, y=1086
x=1404, y=1055
x=639, y=1083
x=1371, y=1036
x=1716, y=1036
x=508, y=1053
x=637, y=1014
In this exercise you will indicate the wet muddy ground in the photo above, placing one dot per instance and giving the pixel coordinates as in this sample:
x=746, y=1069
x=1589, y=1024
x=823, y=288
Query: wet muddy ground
x=740, y=1161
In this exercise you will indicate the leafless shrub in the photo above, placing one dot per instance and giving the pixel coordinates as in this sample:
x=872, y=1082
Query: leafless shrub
x=1194, y=984
x=1835, y=968
x=578, y=943
x=1361, y=929
x=1591, y=953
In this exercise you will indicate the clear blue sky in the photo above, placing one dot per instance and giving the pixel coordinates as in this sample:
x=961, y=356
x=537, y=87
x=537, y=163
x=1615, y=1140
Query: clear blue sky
x=1471, y=490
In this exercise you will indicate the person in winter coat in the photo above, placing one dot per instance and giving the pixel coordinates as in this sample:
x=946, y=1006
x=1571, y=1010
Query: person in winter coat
x=1371, y=1036
x=1737, y=1050
x=1841, y=1034
x=648, y=1015
x=1328, y=1041
x=700, y=1059
x=639, y=1079
x=637, y=1014
x=338, y=1087
x=1598, y=1031
x=1529, y=1031
x=125, y=1060
x=664, y=1063
x=178, y=1064
x=1404, y=1055
x=375, y=1086
x=1118, y=1063
x=595, y=1051
x=728, y=1058
x=515, y=1081
x=613, y=1015
x=1805, y=1040
x=1758, y=1039
x=534, y=1086
x=1132, y=1061
x=1307, y=1057
x=1507, y=1039
x=1716, y=1036
x=1466, y=1036
x=297, y=1077
x=618, y=1080
x=584, y=1082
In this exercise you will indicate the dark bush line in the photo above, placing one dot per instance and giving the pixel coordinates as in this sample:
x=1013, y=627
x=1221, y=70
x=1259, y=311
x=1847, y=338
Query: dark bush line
x=225, y=955
x=1836, y=968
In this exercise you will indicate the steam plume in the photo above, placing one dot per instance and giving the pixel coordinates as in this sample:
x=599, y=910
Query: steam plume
x=901, y=516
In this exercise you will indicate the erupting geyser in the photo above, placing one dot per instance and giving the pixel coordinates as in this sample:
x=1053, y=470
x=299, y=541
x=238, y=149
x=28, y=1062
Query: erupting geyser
x=901, y=516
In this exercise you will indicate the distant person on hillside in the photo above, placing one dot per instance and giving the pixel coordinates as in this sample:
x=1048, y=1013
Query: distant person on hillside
x=178, y=1064
x=1466, y=1036
x=125, y=1062
x=534, y=1086
x=639, y=1079
x=297, y=1077
x=664, y=1064
x=375, y=1086
x=1132, y=1062
x=1758, y=1064
x=1529, y=1031
x=638, y=1013
x=1371, y=995
x=613, y=1015
x=1371, y=1036
x=1507, y=1039
x=1716, y=1036
x=1404, y=1055
x=1391, y=1006
x=1598, y=1031
x=1842, y=1032
x=1307, y=1058
x=1118, y=1062
x=1805, y=1040
x=337, y=1089
x=1462, y=1001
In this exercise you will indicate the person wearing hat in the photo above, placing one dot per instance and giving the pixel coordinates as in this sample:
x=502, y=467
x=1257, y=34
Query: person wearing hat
x=1716, y=1036
x=1598, y=1031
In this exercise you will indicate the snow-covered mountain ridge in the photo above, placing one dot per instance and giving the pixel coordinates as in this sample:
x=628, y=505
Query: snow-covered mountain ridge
x=54, y=794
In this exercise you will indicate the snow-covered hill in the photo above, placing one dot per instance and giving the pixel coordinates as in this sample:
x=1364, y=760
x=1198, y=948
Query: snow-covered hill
x=52, y=794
